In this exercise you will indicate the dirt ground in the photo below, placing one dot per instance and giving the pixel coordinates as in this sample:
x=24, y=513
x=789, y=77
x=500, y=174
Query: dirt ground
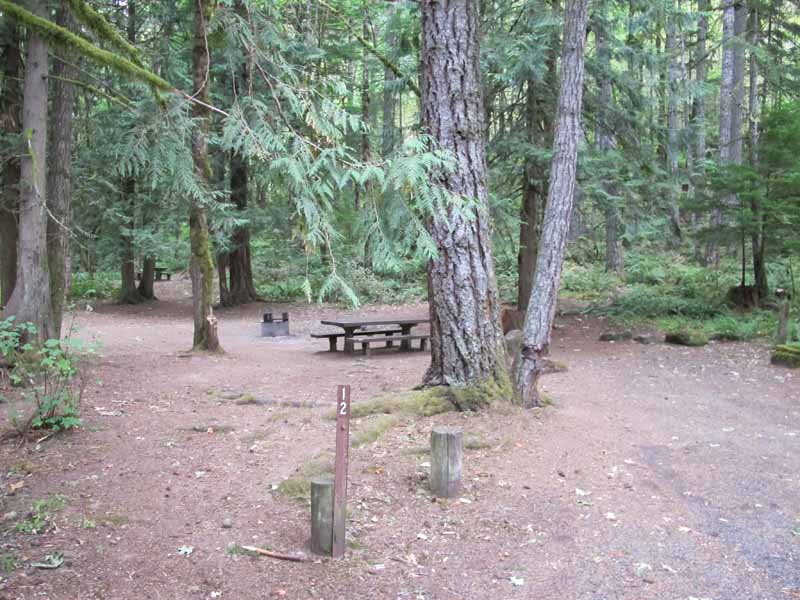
x=659, y=472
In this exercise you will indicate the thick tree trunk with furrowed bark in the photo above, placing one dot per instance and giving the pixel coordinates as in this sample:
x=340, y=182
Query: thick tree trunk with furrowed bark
x=10, y=105
x=59, y=171
x=202, y=263
x=466, y=337
x=542, y=307
x=31, y=301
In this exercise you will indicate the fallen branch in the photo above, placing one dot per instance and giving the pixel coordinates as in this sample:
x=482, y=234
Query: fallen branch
x=278, y=555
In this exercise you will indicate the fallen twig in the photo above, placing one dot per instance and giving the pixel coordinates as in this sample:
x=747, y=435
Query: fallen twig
x=278, y=555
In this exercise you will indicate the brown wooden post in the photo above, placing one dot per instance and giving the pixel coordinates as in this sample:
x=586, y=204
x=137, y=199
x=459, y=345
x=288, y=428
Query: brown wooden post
x=340, y=470
x=782, y=336
x=322, y=515
x=446, y=453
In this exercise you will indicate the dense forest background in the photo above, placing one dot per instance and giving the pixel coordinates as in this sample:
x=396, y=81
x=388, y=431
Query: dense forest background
x=279, y=144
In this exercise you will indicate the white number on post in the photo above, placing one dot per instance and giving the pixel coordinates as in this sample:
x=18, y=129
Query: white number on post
x=343, y=408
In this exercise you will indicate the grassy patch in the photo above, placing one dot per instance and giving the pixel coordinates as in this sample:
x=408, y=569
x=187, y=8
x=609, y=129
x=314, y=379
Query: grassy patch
x=686, y=337
x=42, y=514
x=430, y=401
x=115, y=520
x=787, y=355
x=298, y=485
x=371, y=429
x=247, y=399
x=9, y=562
x=208, y=429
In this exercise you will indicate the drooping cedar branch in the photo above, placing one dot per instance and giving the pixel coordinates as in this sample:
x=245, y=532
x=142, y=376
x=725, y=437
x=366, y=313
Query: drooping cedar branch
x=373, y=50
x=59, y=35
x=95, y=21
x=118, y=99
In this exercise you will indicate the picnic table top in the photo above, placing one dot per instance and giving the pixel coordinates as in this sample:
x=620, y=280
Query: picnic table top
x=348, y=323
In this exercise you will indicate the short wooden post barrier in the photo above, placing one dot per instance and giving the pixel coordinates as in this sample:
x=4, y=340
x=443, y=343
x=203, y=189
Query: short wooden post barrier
x=322, y=515
x=329, y=494
x=446, y=458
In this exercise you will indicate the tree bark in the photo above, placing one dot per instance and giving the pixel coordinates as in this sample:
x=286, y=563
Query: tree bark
x=241, y=289
x=467, y=343
x=146, y=283
x=31, y=300
x=698, y=119
x=389, y=131
x=729, y=108
x=10, y=105
x=539, y=132
x=607, y=144
x=59, y=171
x=533, y=197
x=542, y=308
x=759, y=234
x=673, y=150
x=202, y=263
x=129, y=292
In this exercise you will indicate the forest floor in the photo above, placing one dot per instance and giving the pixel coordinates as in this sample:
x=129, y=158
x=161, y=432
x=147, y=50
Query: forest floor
x=659, y=472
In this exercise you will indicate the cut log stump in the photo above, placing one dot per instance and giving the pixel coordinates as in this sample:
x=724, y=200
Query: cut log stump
x=447, y=445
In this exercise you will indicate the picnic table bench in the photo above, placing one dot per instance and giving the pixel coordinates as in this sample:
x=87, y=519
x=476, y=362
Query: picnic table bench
x=160, y=273
x=384, y=330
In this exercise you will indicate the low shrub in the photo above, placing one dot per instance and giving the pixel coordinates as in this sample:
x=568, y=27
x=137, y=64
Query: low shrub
x=46, y=385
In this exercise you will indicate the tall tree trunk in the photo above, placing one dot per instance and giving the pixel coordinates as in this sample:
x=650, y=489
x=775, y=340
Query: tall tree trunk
x=542, y=308
x=59, y=171
x=533, y=197
x=466, y=336
x=10, y=104
x=698, y=125
x=146, y=283
x=607, y=144
x=239, y=262
x=758, y=237
x=202, y=263
x=31, y=301
x=727, y=109
x=129, y=293
x=390, y=93
x=365, y=101
x=539, y=132
x=673, y=150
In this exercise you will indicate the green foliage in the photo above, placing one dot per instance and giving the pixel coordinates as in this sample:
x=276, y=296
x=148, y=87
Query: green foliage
x=93, y=286
x=47, y=389
x=9, y=562
x=588, y=281
x=42, y=515
x=787, y=355
x=686, y=337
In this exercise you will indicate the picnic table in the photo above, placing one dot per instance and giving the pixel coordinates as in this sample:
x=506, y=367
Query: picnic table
x=359, y=331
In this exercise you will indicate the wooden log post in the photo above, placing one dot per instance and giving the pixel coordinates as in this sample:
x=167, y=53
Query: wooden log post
x=782, y=335
x=446, y=458
x=322, y=515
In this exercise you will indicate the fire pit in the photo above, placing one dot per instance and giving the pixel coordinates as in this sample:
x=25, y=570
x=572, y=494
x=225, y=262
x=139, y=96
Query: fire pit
x=272, y=327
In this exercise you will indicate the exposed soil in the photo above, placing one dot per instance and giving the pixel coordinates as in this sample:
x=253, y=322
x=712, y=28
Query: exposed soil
x=659, y=472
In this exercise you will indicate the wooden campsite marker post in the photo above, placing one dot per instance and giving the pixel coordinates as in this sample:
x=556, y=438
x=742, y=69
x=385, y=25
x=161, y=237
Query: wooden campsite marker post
x=340, y=469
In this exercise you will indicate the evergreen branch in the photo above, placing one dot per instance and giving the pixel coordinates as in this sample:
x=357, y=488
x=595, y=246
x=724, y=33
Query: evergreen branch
x=105, y=30
x=119, y=99
x=65, y=37
x=374, y=51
